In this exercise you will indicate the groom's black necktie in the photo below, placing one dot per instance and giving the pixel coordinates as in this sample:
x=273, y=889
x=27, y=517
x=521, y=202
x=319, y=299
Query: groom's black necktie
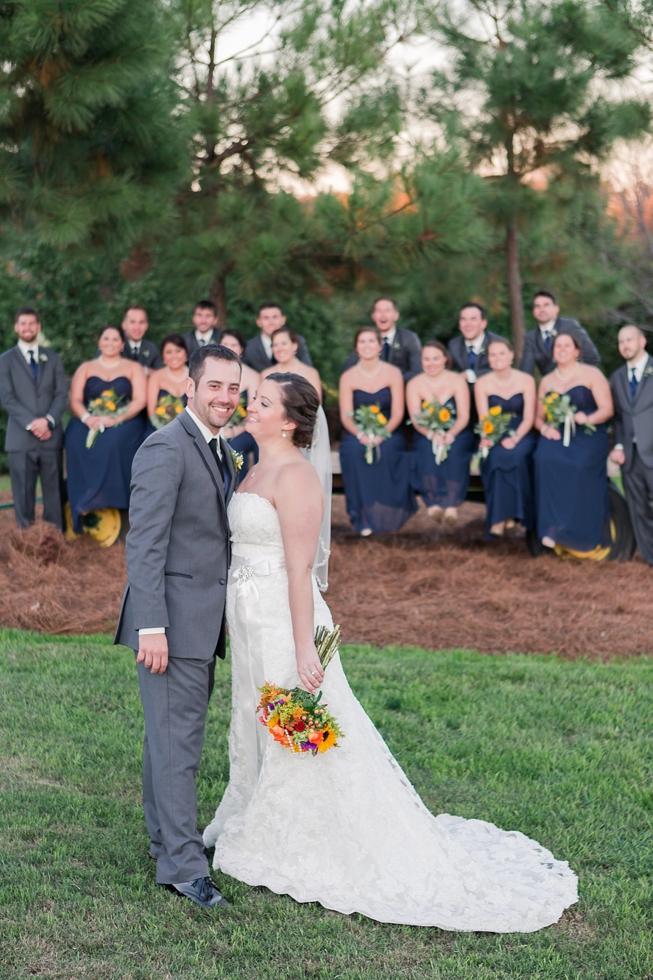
x=226, y=479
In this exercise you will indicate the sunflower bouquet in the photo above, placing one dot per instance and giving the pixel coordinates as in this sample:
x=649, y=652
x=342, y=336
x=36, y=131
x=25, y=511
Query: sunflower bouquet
x=493, y=427
x=296, y=719
x=167, y=408
x=559, y=412
x=107, y=404
x=371, y=422
x=438, y=419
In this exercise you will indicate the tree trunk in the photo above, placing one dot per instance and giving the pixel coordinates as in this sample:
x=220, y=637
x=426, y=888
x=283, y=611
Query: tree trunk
x=513, y=279
x=219, y=297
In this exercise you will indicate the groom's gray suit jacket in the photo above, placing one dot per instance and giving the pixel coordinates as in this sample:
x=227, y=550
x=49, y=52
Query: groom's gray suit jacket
x=178, y=547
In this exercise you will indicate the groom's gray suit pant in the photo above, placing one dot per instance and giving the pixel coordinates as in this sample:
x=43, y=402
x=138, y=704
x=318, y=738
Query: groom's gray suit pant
x=175, y=705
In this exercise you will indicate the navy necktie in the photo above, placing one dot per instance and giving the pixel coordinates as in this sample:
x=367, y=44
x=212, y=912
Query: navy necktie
x=547, y=342
x=33, y=366
x=135, y=353
x=224, y=473
x=632, y=384
x=385, y=350
x=471, y=358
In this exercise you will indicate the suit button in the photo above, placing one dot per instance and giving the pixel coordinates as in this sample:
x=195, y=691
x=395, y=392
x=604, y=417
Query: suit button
x=223, y=581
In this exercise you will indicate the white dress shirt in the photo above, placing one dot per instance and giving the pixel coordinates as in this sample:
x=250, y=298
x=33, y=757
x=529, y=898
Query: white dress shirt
x=203, y=338
x=475, y=345
x=390, y=337
x=25, y=351
x=547, y=328
x=134, y=346
x=267, y=344
x=208, y=435
x=639, y=367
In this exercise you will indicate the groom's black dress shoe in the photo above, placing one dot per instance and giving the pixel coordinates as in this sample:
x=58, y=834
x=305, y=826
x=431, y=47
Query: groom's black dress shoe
x=202, y=891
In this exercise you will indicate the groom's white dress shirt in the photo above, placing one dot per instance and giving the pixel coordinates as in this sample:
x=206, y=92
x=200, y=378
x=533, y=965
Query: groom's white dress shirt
x=208, y=435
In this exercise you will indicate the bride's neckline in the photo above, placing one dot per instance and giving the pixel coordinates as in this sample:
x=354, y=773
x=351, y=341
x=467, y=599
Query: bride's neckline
x=246, y=493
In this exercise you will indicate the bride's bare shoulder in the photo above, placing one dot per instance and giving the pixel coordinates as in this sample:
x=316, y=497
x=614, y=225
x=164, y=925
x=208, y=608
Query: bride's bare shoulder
x=297, y=480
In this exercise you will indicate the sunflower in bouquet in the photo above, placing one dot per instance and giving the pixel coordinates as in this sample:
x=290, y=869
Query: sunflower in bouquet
x=438, y=419
x=559, y=412
x=167, y=408
x=493, y=427
x=371, y=422
x=107, y=405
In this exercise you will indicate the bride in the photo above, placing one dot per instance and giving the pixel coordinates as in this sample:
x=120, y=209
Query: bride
x=344, y=828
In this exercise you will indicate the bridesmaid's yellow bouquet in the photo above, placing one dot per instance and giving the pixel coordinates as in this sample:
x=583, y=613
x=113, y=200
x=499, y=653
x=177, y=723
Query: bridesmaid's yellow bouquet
x=493, y=427
x=560, y=413
x=107, y=404
x=438, y=419
x=167, y=408
x=296, y=719
x=371, y=422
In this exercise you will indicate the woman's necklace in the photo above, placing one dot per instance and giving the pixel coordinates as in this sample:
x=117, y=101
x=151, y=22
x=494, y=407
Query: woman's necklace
x=109, y=366
x=437, y=385
x=177, y=380
x=502, y=384
x=569, y=376
x=373, y=374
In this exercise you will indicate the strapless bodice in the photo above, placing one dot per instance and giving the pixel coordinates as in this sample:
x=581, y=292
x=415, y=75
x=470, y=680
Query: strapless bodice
x=163, y=393
x=255, y=528
x=513, y=405
x=382, y=398
x=582, y=398
x=95, y=386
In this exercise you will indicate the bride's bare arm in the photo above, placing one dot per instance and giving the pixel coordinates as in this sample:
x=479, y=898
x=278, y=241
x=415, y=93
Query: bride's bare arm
x=299, y=500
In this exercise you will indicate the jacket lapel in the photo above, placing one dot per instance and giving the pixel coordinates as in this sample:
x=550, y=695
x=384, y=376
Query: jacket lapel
x=645, y=380
x=229, y=463
x=21, y=360
x=206, y=454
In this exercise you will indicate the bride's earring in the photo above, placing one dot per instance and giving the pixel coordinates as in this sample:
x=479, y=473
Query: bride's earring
x=283, y=434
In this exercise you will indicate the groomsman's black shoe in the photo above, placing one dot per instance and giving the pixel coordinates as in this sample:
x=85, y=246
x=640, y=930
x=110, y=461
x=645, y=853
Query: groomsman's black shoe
x=202, y=891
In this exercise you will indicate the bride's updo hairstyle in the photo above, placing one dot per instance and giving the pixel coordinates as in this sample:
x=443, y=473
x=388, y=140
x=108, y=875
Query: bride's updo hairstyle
x=300, y=403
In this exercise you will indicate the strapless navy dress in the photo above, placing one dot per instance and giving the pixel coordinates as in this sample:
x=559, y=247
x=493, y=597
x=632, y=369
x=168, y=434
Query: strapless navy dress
x=507, y=474
x=378, y=494
x=99, y=477
x=149, y=428
x=446, y=484
x=245, y=443
x=571, y=485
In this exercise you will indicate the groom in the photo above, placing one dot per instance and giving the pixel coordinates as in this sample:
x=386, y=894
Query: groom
x=172, y=612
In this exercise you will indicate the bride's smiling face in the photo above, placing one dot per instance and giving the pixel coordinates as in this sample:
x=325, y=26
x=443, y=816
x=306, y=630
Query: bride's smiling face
x=266, y=416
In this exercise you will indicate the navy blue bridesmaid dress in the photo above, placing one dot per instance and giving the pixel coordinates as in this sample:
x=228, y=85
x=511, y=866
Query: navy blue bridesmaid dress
x=446, y=484
x=149, y=429
x=571, y=485
x=507, y=474
x=99, y=477
x=378, y=494
x=245, y=443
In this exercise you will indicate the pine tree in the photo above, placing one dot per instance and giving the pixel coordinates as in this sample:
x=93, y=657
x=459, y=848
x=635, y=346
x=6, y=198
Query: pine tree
x=89, y=155
x=540, y=81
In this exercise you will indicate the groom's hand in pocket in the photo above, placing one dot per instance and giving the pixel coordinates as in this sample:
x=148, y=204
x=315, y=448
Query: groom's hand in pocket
x=153, y=652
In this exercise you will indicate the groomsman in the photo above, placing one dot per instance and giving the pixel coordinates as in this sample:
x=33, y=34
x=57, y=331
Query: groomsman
x=468, y=351
x=538, y=344
x=632, y=393
x=34, y=393
x=137, y=348
x=401, y=347
x=206, y=330
x=258, y=352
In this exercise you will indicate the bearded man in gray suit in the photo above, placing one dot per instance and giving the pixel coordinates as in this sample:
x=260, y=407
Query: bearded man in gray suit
x=34, y=393
x=172, y=615
x=632, y=394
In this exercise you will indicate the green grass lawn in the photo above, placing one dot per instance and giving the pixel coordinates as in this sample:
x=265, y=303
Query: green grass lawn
x=561, y=751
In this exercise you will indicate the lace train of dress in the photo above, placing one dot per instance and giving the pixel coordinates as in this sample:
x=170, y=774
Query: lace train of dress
x=347, y=829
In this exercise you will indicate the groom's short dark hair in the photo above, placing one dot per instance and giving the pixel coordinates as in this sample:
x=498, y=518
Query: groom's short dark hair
x=199, y=357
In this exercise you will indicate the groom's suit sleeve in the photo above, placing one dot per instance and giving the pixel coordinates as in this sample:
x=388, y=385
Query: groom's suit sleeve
x=156, y=476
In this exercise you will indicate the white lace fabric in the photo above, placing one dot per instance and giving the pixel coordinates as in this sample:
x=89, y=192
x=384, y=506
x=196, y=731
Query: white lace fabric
x=346, y=828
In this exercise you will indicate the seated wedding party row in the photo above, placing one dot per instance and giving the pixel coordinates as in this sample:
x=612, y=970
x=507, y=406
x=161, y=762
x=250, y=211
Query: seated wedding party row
x=417, y=420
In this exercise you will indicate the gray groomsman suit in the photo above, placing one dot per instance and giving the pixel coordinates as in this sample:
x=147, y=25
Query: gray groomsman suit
x=536, y=354
x=633, y=429
x=256, y=356
x=178, y=553
x=25, y=399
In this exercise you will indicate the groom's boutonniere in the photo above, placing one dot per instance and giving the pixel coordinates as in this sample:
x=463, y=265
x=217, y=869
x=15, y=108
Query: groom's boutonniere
x=648, y=372
x=43, y=358
x=237, y=460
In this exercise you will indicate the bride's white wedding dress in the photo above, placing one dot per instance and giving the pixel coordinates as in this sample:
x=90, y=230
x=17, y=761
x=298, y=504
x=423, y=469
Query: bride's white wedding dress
x=346, y=828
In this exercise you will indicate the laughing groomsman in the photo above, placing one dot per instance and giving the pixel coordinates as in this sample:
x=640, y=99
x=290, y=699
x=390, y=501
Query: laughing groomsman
x=34, y=393
x=632, y=393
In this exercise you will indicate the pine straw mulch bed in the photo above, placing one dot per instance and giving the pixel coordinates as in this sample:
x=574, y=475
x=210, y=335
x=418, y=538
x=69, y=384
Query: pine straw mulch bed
x=425, y=587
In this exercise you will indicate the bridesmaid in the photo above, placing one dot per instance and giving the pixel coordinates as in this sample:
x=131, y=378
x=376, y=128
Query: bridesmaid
x=240, y=440
x=99, y=477
x=507, y=472
x=443, y=486
x=378, y=495
x=171, y=378
x=571, y=485
x=285, y=344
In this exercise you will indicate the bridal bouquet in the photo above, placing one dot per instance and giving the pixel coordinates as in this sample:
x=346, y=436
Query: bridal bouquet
x=108, y=404
x=296, y=719
x=167, y=408
x=559, y=412
x=438, y=419
x=493, y=427
x=370, y=421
